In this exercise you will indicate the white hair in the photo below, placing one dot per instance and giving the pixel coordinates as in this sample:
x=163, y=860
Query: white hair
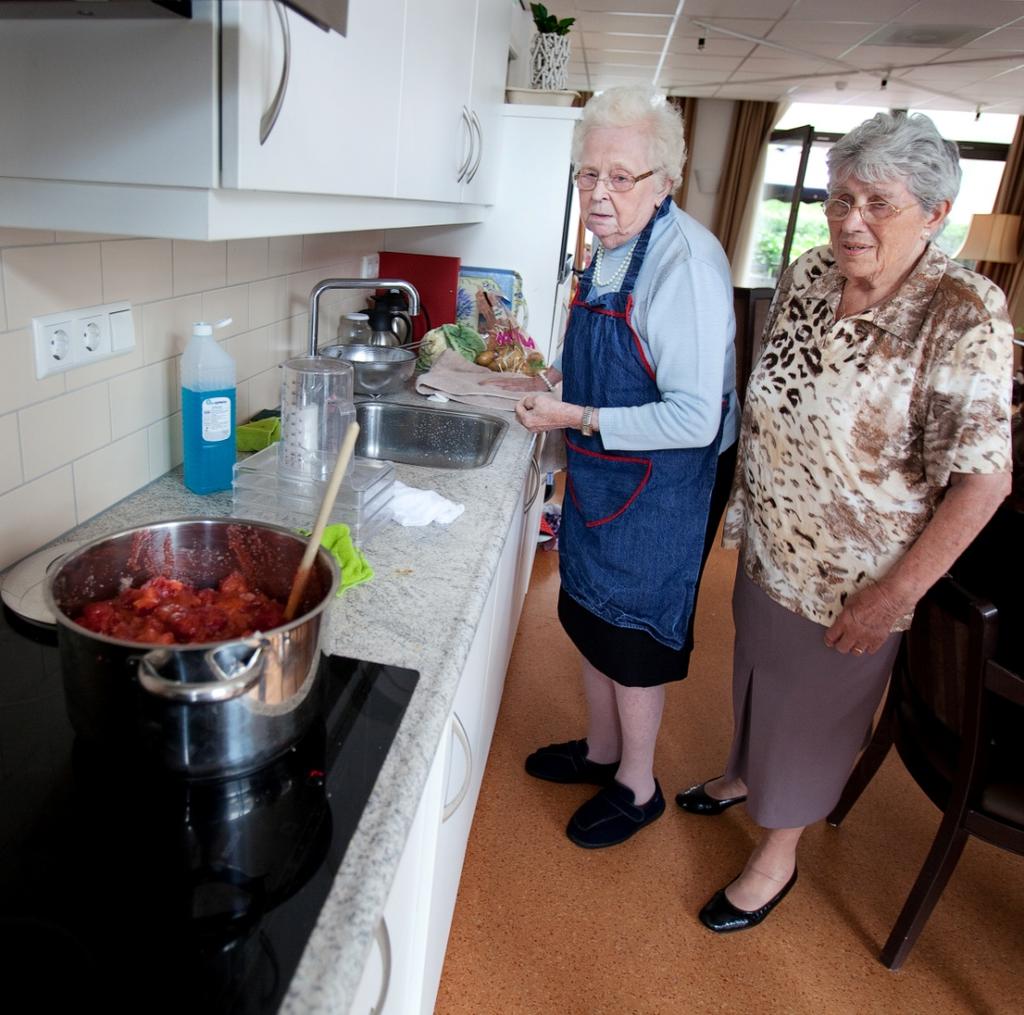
x=893, y=146
x=635, y=106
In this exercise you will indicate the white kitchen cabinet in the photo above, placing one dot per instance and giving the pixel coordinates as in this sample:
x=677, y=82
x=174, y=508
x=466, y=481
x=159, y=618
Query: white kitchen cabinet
x=336, y=131
x=156, y=130
x=453, y=82
x=533, y=507
x=392, y=978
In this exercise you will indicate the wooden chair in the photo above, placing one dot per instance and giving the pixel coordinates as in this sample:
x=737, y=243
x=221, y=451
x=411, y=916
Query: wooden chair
x=956, y=717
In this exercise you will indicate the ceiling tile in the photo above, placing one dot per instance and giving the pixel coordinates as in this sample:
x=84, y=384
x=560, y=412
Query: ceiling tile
x=737, y=8
x=843, y=10
x=1009, y=39
x=795, y=33
x=892, y=56
x=957, y=12
x=616, y=40
x=619, y=23
x=693, y=27
x=664, y=7
x=714, y=45
x=795, y=66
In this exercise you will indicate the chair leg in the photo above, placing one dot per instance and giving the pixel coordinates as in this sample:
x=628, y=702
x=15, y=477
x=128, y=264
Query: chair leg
x=935, y=873
x=864, y=771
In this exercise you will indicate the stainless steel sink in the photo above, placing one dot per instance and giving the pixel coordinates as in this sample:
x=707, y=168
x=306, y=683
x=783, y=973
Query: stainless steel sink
x=435, y=438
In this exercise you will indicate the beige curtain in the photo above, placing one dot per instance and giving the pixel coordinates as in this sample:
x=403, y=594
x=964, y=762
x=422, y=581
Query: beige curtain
x=1010, y=201
x=687, y=106
x=751, y=126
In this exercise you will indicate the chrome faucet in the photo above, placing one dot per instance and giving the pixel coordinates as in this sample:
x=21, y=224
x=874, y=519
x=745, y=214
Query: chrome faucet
x=355, y=283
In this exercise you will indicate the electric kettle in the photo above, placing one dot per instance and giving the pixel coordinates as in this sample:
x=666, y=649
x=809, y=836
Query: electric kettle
x=397, y=306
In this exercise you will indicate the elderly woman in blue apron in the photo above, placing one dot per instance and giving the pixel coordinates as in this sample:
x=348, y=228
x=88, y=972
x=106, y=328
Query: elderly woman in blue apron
x=650, y=418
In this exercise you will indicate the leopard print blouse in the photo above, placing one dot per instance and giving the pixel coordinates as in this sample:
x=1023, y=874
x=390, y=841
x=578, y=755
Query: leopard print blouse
x=851, y=430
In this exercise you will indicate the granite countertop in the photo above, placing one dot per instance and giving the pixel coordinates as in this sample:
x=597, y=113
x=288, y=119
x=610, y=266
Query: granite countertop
x=420, y=611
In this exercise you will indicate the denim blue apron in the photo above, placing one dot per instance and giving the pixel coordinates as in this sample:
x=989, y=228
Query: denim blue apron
x=633, y=523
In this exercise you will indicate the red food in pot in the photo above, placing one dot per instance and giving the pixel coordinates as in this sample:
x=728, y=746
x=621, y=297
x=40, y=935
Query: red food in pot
x=164, y=611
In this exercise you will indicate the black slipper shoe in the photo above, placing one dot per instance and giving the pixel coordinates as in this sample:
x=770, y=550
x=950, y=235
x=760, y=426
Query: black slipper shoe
x=721, y=916
x=697, y=800
x=612, y=817
x=568, y=762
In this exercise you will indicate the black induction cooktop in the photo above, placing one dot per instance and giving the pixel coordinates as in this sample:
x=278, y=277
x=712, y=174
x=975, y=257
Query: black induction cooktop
x=125, y=888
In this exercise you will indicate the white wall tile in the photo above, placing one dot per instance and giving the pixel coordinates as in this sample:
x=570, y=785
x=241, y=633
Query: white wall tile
x=322, y=248
x=199, y=265
x=288, y=338
x=248, y=260
x=285, y=255
x=251, y=352
x=3, y=303
x=10, y=453
x=62, y=236
x=223, y=303
x=167, y=326
x=106, y=476
x=24, y=237
x=264, y=390
x=82, y=377
x=268, y=301
x=35, y=513
x=243, y=407
x=142, y=397
x=45, y=280
x=165, y=445
x=139, y=271
x=63, y=429
x=18, y=384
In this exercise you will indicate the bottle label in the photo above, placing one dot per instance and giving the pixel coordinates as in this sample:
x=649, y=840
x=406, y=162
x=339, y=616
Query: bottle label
x=216, y=418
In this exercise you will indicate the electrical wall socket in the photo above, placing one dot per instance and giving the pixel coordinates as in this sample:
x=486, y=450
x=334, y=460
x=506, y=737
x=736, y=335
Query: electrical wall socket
x=75, y=338
x=371, y=266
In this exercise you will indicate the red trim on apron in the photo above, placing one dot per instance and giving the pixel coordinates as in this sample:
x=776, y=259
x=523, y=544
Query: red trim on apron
x=608, y=458
x=636, y=339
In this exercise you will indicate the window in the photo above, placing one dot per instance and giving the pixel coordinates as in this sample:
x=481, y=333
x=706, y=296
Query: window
x=789, y=219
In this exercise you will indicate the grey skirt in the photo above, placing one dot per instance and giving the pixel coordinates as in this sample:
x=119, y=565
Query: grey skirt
x=802, y=711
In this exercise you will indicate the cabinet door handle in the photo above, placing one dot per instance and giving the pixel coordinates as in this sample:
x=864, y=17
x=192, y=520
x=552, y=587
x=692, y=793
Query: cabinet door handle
x=383, y=939
x=475, y=120
x=534, y=487
x=269, y=118
x=469, y=154
x=460, y=734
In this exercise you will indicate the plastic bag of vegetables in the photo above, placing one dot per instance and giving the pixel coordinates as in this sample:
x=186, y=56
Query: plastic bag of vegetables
x=465, y=341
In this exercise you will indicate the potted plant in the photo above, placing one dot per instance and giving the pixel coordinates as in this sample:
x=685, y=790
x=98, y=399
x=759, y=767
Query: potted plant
x=549, y=50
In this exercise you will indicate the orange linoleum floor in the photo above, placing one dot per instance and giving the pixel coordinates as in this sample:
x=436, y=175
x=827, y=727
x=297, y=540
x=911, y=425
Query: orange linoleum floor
x=543, y=927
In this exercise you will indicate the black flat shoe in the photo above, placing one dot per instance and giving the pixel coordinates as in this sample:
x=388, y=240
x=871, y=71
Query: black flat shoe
x=721, y=916
x=568, y=762
x=612, y=817
x=696, y=800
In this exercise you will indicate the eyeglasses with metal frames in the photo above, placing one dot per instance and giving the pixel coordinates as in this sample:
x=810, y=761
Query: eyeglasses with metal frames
x=587, y=179
x=836, y=209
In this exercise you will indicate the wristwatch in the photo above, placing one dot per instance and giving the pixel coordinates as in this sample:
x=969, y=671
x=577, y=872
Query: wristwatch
x=585, y=428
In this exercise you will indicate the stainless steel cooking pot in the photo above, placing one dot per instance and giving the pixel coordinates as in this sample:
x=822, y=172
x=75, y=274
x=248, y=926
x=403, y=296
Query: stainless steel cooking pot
x=205, y=709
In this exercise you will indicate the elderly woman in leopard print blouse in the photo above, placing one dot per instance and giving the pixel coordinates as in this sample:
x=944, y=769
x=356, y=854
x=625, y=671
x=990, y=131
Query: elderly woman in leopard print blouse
x=874, y=446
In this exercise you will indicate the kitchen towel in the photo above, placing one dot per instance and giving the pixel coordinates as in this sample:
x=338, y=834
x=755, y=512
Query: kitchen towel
x=355, y=569
x=460, y=380
x=413, y=506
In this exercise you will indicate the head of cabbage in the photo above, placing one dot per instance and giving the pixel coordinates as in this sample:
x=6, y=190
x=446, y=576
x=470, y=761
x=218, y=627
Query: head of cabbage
x=465, y=341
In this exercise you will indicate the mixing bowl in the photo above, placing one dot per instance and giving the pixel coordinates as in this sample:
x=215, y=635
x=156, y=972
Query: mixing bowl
x=379, y=370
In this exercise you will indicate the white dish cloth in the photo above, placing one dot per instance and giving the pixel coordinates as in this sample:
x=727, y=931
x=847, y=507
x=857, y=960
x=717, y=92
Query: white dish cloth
x=413, y=506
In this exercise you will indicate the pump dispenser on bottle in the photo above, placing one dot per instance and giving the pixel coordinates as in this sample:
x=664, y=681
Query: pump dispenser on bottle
x=208, y=411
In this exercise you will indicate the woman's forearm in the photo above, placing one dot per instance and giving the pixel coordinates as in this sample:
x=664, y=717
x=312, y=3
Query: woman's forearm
x=969, y=503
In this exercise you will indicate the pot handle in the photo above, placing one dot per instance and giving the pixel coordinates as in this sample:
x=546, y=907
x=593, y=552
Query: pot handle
x=224, y=688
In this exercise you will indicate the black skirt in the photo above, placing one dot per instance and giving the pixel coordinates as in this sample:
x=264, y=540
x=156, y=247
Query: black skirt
x=635, y=658
x=630, y=657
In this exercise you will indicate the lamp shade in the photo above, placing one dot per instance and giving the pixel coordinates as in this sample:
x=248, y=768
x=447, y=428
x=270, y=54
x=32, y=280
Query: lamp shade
x=992, y=238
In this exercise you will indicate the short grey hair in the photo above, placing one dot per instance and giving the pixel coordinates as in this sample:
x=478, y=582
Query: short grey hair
x=634, y=106
x=893, y=146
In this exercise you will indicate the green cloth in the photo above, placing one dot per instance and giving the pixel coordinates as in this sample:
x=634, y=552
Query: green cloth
x=258, y=434
x=355, y=569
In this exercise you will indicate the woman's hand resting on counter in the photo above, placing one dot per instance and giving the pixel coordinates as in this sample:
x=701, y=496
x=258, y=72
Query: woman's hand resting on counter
x=546, y=412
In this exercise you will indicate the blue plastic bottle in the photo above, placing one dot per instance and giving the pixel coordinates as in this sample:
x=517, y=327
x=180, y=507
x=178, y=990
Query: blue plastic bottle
x=208, y=411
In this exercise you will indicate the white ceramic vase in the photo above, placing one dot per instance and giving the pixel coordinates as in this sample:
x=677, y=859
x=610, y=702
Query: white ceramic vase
x=549, y=61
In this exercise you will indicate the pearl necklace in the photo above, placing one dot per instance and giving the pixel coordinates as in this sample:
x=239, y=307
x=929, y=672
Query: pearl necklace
x=620, y=272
